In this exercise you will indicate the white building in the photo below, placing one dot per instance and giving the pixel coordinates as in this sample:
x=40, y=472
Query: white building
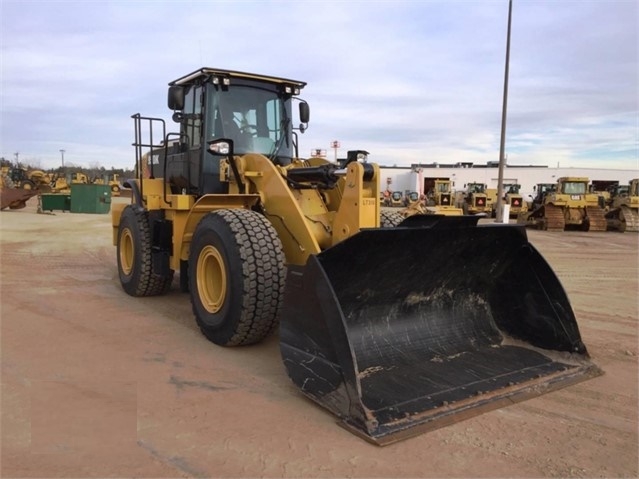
x=411, y=178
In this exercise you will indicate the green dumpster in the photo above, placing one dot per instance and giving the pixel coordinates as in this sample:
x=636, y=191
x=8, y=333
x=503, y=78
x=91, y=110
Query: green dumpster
x=55, y=201
x=90, y=198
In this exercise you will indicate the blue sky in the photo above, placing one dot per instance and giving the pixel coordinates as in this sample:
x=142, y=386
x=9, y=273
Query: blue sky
x=409, y=81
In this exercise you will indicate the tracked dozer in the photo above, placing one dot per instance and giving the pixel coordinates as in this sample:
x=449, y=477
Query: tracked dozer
x=623, y=214
x=568, y=205
x=394, y=328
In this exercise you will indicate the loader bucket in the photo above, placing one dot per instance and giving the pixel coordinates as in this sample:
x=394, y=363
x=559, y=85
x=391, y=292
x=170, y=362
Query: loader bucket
x=402, y=330
x=15, y=198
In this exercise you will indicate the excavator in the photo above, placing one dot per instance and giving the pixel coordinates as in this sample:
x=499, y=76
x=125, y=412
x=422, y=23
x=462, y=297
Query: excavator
x=265, y=241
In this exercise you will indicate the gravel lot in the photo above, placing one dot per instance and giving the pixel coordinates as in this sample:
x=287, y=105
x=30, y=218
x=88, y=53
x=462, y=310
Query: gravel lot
x=98, y=384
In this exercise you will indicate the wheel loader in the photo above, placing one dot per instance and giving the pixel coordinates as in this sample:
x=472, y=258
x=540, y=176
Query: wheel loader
x=439, y=197
x=12, y=196
x=475, y=200
x=623, y=214
x=568, y=205
x=511, y=197
x=466, y=318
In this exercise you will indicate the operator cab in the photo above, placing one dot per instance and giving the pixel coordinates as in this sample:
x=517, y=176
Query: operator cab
x=255, y=111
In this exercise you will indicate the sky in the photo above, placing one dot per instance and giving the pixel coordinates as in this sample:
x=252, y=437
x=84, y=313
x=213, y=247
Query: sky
x=408, y=81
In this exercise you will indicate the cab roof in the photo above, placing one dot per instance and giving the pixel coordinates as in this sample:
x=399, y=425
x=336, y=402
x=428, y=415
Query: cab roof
x=206, y=72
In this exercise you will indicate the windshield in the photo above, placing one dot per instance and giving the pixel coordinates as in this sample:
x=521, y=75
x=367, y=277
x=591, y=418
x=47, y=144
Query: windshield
x=574, y=188
x=443, y=187
x=476, y=188
x=254, y=117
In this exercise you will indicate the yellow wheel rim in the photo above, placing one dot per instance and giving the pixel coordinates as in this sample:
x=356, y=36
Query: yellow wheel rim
x=211, y=279
x=127, y=251
x=26, y=186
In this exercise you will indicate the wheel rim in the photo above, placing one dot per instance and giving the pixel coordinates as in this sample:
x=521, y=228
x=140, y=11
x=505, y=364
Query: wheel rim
x=26, y=186
x=127, y=251
x=211, y=279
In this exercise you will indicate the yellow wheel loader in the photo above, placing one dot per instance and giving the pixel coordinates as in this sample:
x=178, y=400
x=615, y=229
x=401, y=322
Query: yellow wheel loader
x=475, y=200
x=375, y=321
x=12, y=196
x=439, y=197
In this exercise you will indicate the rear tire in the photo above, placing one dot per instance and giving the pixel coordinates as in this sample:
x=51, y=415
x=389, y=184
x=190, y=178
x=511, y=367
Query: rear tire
x=134, y=256
x=236, y=277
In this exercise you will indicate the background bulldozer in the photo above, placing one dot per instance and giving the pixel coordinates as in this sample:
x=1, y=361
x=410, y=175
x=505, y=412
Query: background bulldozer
x=567, y=205
x=375, y=322
x=623, y=213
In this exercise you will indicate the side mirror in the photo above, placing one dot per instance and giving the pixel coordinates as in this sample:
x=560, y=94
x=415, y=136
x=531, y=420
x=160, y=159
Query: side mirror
x=221, y=147
x=305, y=112
x=176, y=97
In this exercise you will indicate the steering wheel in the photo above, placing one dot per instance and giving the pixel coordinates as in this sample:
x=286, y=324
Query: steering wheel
x=249, y=130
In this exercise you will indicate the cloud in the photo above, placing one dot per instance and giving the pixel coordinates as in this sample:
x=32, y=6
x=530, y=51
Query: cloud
x=409, y=81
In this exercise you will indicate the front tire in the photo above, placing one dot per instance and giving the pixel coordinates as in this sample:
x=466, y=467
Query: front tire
x=236, y=277
x=134, y=256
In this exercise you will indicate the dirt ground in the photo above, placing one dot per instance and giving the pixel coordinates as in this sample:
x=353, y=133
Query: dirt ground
x=99, y=384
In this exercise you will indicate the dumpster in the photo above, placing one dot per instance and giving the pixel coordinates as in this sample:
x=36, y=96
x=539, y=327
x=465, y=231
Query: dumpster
x=55, y=201
x=90, y=198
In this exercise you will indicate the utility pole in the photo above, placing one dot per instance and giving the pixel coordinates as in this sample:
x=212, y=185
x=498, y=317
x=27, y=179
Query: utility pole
x=62, y=153
x=502, y=145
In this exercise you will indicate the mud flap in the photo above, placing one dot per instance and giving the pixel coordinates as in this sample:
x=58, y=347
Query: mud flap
x=402, y=330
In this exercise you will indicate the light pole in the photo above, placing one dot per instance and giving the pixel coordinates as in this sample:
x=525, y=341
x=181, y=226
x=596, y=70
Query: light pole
x=62, y=153
x=502, y=159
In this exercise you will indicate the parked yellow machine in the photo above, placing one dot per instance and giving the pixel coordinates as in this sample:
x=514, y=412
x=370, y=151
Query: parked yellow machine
x=375, y=322
x=511, y=197
x=439, y=197
x=475, y=200
x=515, y=200
x=569, y=204
x=113, y=180
x=13, y=196
x=79, y=178
x=623, y=214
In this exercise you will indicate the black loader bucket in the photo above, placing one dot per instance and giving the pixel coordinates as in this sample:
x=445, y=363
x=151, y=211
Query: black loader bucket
x=402, y=330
